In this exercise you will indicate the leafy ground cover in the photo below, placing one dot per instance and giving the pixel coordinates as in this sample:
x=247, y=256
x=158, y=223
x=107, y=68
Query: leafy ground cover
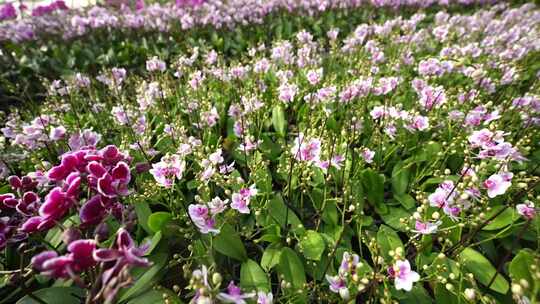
x=338, y=152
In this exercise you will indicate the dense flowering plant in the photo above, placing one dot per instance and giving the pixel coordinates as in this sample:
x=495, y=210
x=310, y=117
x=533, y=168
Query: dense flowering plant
x=394, y=162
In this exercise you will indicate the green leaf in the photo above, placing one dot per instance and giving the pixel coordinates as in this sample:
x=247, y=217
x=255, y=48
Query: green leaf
x=292, y=269
x=154, y=241
x=252, y=277
x=155, y=297
x=143, y=212
x=520, y=267
x=270, y=258
x=54, y=295
x=444, y=296
x=229, y=243
x=483, y=270
x=388, y=240
x=158, y=220
x=374, y=186
x=312, y=245
x=507, y=217
x=406, y=201
x=392, y=218
x=400, y=179
x=418, y=295
x=147, y=278
x=278, y=120
x=277, y=210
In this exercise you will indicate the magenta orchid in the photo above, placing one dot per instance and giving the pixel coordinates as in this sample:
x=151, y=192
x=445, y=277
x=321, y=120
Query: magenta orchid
x=240, y=201
x=125, y=252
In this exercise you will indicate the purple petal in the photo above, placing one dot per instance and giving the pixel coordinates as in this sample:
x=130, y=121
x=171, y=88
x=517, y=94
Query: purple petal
x=92, y=211
x=106, y=255
x=38, y=260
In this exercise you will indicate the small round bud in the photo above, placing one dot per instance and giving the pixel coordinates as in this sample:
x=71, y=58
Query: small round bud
x=470, y=294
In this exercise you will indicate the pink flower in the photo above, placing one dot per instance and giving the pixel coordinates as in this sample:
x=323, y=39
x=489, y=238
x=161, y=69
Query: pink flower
x=403, y=276
x=241, y=200
x=265, y=298
x=497, y=184
x=420, y=123
x=234, y=295
x=287, y=92
x=348, y=263
x=337, y=283
x=169, y=168
x=314, y=76
x=367, y=155
x=57, y=133
x=155, y=64
x=526, y=210
x=426, y=228
x=307, y=150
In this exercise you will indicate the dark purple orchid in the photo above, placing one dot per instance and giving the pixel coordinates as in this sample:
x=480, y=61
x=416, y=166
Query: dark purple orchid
x=124, y=254
x=7, y=11
x=79, y=258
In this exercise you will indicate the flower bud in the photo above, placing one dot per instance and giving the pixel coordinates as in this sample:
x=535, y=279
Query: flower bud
x=470, y=294
x=344, y=293
x=71, y=234
x=216, y=278
x=14, y=182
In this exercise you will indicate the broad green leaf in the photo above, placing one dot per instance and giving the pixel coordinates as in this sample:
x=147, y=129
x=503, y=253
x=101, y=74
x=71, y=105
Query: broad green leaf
x=270, y=258
x=406, y=200
x=252, y=277
x=154, y=241
x=278, y=120
x=291, y=267
x=418, y=295
x=312, y=245
x=392, y=218
x=400, y=179
x=147, y=278
x=143, y=212
x=158, y=220
x=374, y=187
x=277, y=210
x=229, y=243
x=156, y=297
x=507, y=217
x=520, y=267
x=54, y=295
x=482, y=269
x=388, y=240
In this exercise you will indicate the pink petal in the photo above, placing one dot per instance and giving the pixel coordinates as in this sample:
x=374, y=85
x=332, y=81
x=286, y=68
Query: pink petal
x=106, y=255
x=124, y=240
x=96, y=169
x=105, y=187
x=31, y=224
x=82, y=251
x=38, y=260
x=121, y=172
x=57, y=173
x=30, y=197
